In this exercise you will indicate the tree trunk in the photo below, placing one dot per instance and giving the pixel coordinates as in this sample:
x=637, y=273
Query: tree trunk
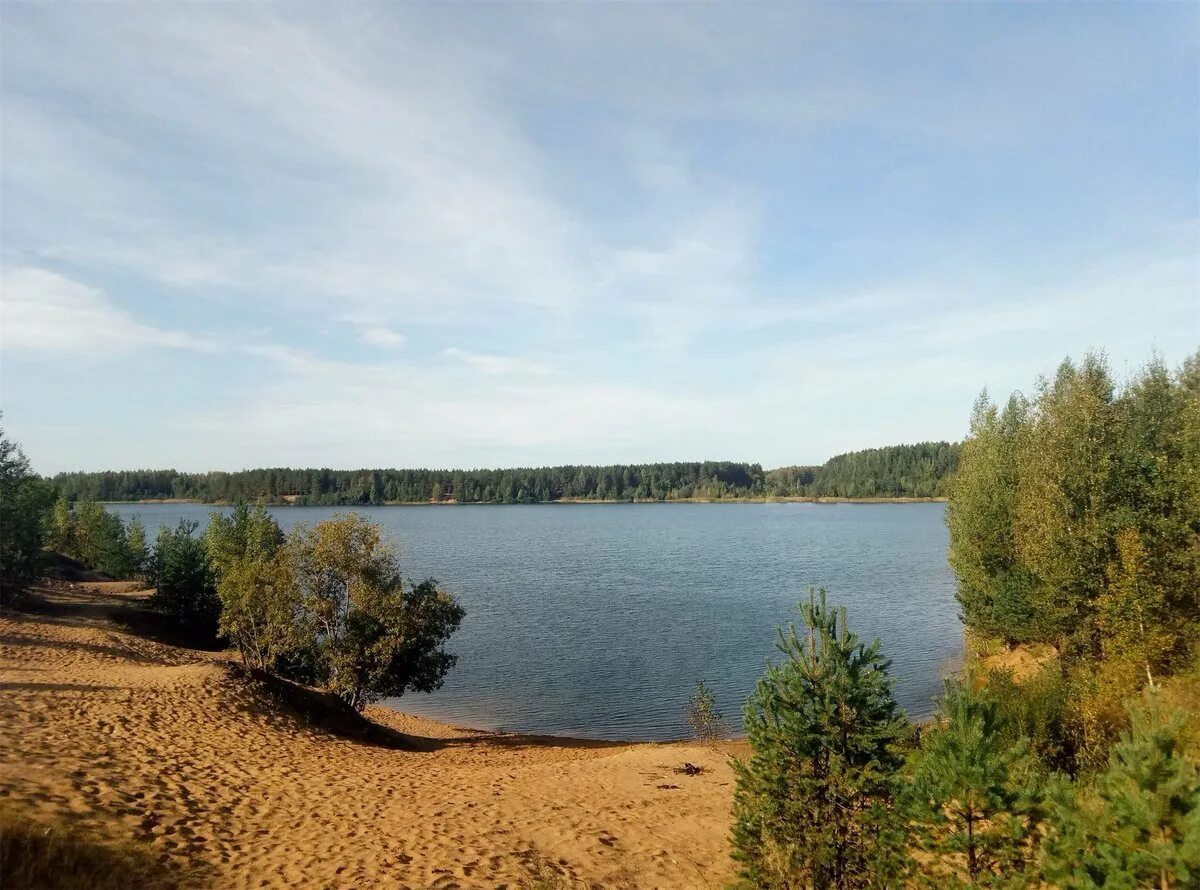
x=972, y=864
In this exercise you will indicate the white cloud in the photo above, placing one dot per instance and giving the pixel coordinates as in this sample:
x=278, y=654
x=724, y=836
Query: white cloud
x=42, y=311
x=381, y=336
x=497, y=364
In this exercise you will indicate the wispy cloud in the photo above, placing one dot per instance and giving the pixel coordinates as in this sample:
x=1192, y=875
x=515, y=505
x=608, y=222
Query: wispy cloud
x=44, y=312
x=768, y=233
x=381, y=336
x=497, y=364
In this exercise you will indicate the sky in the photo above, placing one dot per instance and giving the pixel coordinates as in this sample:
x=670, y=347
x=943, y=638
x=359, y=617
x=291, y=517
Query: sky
x=489, y=235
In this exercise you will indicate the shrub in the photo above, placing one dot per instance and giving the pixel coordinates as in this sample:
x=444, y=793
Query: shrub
x=812, y=805
x=702, y=716
x=100, y=541
x=138, y=547
x=1037, y=710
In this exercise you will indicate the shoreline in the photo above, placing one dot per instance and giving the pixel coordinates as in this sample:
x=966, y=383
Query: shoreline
x=563, y=501
x=182, y=754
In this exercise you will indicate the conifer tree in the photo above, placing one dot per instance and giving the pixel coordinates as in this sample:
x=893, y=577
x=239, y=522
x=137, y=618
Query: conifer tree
x=1139, y=824
x=974, y=800
x=812, y=805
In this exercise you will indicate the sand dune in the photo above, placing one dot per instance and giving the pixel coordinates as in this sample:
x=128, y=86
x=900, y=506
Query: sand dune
x=175, y=748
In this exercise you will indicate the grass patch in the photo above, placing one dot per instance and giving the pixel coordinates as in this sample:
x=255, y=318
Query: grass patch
x=46, y=854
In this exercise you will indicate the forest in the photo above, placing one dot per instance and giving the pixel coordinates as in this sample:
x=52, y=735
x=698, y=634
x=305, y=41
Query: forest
x=900, y=471
x=1066, y=753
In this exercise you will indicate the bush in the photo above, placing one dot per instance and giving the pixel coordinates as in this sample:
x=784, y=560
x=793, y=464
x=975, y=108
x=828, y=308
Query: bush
x=260, y=610
x=1037, y=710
x=100, y=541
x=702, y=716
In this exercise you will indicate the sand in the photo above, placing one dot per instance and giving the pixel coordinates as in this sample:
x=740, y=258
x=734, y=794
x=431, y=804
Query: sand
x=173, y=748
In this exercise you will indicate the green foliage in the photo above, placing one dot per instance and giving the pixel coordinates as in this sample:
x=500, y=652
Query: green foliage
x=704, y=717
x=993, y=587
x=100, y=541
x=1074, y=521
x=260, y=610
x=1138, y=825
x=812, y=805
x=60, y=530
x=184, y=582
x=914, y=471
x=974, y=798
x=1036, y=711
x=24, y=504
x=374, y=635
x=900, y=471
x=245, y=534
x=137, y=546
x=260, y=602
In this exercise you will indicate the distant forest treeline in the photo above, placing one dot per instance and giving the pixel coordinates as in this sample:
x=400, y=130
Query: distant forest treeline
x=899, y=471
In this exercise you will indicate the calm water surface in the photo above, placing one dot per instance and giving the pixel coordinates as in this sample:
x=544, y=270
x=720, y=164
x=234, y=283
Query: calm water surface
x=598, y=619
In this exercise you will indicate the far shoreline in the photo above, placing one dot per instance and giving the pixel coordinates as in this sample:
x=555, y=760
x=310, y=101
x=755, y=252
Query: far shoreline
x=566, y=501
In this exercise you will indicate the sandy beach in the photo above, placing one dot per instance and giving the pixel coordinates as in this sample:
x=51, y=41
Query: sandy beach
x=177, y=750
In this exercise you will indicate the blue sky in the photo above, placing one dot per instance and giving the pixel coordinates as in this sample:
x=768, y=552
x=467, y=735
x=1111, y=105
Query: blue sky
x=345, y=235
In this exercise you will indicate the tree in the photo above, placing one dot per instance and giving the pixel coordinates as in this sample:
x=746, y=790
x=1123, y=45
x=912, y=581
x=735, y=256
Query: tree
x=1065, y=495
x=184, y=582
x=260, y=604
x=812, y=805
x=100, y=540
x=260, y=609
x=136, y=543
x=60, y=530
x=994, y=589
x=974, y=799
x=703, y=716
x=245, y=534
x=374, y=634
x=1134, y=622
x=1139, y=824
x=24, y=503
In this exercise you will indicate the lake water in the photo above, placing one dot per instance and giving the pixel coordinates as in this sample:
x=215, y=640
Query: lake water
x=597, y=620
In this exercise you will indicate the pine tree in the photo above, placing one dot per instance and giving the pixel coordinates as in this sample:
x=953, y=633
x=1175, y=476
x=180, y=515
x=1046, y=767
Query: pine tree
x=812, y=805
x=974, y=800
x=1139, y=825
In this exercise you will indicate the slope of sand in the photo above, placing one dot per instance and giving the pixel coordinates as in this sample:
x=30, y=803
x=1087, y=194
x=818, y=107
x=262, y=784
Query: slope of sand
x=170, y=746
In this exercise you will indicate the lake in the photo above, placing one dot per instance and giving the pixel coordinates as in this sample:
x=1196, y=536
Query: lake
x=597, y=620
